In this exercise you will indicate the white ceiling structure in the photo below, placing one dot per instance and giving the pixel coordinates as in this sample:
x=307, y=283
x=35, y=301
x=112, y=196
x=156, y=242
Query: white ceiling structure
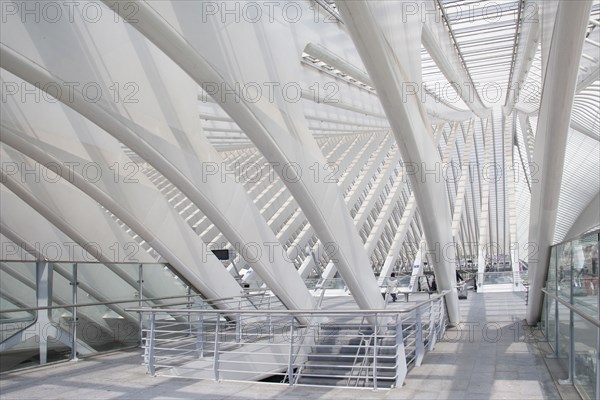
x=312, y=137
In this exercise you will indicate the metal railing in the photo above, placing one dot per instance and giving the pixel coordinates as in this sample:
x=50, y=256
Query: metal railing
x=74, y=308
x=320, y=283
x=275, y=345
x=72, y=330
x=504, y=277
x=364, y=346
x=555, y=338
x=571, y=313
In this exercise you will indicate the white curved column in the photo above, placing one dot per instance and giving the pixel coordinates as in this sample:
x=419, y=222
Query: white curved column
x=464, y=177
x=551, y=139
x=30, y=237
x=89, y=227
x=408, y=120
x=153, y=220
x=345, y=165
x=119, y=289
x=510, y=178
x=97, y=236
x=484, y=216
x=342, y=163
x=178, y=159
x=276, y=128
x=404, y=224
x=399, y=237
x=372, y=156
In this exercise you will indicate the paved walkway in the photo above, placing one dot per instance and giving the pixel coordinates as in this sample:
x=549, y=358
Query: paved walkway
x=491, y=355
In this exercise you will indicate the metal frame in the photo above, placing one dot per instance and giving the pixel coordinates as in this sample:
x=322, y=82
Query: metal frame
x=225, y=351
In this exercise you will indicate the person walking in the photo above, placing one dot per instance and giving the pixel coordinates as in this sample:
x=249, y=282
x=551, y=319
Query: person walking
x=392, y=284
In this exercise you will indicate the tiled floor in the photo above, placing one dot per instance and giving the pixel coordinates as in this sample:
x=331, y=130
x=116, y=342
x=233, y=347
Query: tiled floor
x=491, y=355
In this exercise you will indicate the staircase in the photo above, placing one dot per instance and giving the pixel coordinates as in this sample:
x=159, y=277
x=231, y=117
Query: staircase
x=344, y=357
x=335, y=348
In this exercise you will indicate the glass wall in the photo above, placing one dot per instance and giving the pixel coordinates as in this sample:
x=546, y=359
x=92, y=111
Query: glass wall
x=571, y=310
x=58, y=311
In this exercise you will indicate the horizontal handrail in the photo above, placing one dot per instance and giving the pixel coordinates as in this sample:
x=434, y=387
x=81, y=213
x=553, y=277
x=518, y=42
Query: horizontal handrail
x=103, y=303
x=571, y=307
x=248, y=293
x=293, y=312
x=97, y=303
x=16, y=320
x=292, y=351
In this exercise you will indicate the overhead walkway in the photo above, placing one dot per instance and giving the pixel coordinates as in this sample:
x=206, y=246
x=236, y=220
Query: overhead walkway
x=490, y=355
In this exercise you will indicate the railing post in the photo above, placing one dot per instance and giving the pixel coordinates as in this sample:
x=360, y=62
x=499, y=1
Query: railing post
x=376, y=328
x=200, y=338
x=432, y=329
x=419, y=346
x=216, y=356
x=569, y=380
x=151, y=369
x=140, y=283
x=547, y=299
x=571, y=369
x=189, y=314
x=43, y=294
x=270, y=318
x=290, y=371
x=571, y=343
x=238, y=333
x=74, y=284
x=401, y=368
x=556, y=330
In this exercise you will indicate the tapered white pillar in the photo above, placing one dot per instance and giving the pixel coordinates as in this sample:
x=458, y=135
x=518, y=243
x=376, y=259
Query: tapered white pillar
x=558, y=91
x=276, y=126
x=382, y=56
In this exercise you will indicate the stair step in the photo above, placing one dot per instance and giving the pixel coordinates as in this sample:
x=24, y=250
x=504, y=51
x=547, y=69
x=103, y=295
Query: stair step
x=348, y=359
x=342, y=365
x=345, y=371
x=381, y=382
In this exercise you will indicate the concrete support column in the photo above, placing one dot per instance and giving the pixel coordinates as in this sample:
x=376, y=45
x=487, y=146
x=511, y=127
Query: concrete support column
x=407, y=217
x=382, y=54
x=552, y=129
x=484, y=217
x=464, y=177
x=276, y=127
x=509, y=178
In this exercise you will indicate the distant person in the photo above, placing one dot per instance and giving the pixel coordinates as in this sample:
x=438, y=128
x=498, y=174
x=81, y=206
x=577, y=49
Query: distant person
x=434, y=285
x=392, y=284
x=475, y=282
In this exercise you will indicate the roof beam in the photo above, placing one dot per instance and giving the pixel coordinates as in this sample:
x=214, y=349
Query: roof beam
x=526, y=46
x=444, y=50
